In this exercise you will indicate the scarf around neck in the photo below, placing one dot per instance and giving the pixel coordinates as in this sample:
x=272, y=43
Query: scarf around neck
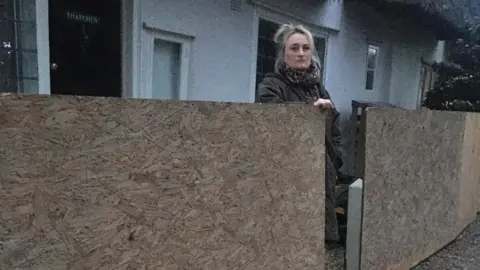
x=308, y=79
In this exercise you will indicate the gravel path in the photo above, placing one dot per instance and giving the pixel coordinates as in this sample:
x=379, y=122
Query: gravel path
x=461, y=254
x=334, y=257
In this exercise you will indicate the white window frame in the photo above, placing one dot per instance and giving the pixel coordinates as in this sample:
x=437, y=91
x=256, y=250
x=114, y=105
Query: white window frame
x=185, y=42
x=432, y=77
x=375, y=70
x=261, y=11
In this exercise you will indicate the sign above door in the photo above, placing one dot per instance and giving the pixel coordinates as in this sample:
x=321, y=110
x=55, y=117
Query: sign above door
x=84, y=18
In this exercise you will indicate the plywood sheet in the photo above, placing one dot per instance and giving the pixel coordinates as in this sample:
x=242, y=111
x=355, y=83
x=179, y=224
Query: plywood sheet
x=413, y=200
x=470, y=169
x=92, y=183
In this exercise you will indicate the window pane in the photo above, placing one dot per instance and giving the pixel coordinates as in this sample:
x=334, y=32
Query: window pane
x=166, y=70
x=26, y=10
x=320, y=45
x=259, y=65
x=28, y=64
x=267, y=29
x=372, y=57
x=6, y=9
x=18, y=44
x=7, y=32
x=268, y=65
x=432, y=80
x=28, y=86
x=370, y=79
x=270, y=49
x=7, y=71
x=266, y=51
x=258, y=79
x=27, y=36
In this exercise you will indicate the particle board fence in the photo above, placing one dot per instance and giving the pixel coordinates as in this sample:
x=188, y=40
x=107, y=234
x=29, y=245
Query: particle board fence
x=103, y=183
x=358, y=118
x=421, y=185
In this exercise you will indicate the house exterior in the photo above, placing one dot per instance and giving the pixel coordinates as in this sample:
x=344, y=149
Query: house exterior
x=216, y=50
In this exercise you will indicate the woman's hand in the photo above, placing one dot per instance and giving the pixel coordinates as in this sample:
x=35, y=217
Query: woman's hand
x=323, y=104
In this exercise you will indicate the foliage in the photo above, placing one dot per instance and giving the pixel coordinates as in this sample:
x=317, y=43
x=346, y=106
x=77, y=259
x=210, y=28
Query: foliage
x=458, y=84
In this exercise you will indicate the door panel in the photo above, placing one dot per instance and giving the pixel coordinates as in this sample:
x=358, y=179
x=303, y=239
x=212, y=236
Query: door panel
x=85, y=48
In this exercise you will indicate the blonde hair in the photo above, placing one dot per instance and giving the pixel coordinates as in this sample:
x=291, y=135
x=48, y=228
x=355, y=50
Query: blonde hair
x=283, y=33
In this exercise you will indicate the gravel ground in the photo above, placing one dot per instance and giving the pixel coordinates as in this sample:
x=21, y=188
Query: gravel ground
x=334, y=257
x=462, y=254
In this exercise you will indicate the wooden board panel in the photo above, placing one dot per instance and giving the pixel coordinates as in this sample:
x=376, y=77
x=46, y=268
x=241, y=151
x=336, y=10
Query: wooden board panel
x=415, y=199
x=100, y=183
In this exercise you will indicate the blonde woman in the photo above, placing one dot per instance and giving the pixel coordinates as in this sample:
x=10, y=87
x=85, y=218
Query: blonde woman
x=297, y=79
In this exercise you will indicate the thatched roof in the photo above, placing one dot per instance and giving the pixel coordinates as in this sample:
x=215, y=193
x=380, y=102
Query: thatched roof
x=448, y=18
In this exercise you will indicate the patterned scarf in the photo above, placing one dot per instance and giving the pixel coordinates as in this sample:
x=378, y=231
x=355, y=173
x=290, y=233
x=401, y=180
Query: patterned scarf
x=307, y=80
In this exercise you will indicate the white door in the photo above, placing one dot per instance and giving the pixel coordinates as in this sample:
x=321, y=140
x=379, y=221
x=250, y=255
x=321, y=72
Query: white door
x=165, y=64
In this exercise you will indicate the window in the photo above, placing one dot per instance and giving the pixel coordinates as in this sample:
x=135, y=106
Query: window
x=267, y=50
x=18, y=47
x=428, y=77
x=166, y=58
x=166, y=69
x=371, y=66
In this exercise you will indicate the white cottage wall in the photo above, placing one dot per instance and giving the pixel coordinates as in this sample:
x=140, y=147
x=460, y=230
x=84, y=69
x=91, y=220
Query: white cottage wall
x=221, y=51
x=402, y=45
x=222, y=55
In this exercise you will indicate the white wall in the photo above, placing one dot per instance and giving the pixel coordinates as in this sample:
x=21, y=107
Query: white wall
x=222, y=60
x=327, y=13
x=402, y=45
x=222, y=46
x=410, y=47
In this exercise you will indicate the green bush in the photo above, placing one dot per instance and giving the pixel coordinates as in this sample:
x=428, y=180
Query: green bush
x=458, y=85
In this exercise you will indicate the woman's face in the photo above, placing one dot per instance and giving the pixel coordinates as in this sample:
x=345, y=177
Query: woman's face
x=298, y=52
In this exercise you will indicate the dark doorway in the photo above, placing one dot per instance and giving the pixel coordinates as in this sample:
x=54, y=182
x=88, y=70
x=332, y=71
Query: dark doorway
x=85, y=47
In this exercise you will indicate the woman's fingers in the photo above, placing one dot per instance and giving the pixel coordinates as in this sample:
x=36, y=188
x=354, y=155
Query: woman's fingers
x=323, y=103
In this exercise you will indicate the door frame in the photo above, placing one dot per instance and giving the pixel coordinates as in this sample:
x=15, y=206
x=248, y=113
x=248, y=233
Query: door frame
x=149, y=34
x=129, y=53
x=43, y=46
x=131, y=20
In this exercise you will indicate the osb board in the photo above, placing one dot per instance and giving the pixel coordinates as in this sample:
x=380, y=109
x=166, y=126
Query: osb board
x=470, y=168
x=91, y=183
x=413, y=201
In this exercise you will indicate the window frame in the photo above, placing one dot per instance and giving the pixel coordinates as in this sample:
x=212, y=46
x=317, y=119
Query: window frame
x=185, y=42
x=17, y=50
x=279, y=17
x=367, y=69
x=428, y=77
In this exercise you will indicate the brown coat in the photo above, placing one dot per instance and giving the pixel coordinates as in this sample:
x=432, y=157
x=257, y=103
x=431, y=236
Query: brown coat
x=275, y=88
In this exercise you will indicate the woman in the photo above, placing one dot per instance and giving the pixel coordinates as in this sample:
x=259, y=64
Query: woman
x=297, y=79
